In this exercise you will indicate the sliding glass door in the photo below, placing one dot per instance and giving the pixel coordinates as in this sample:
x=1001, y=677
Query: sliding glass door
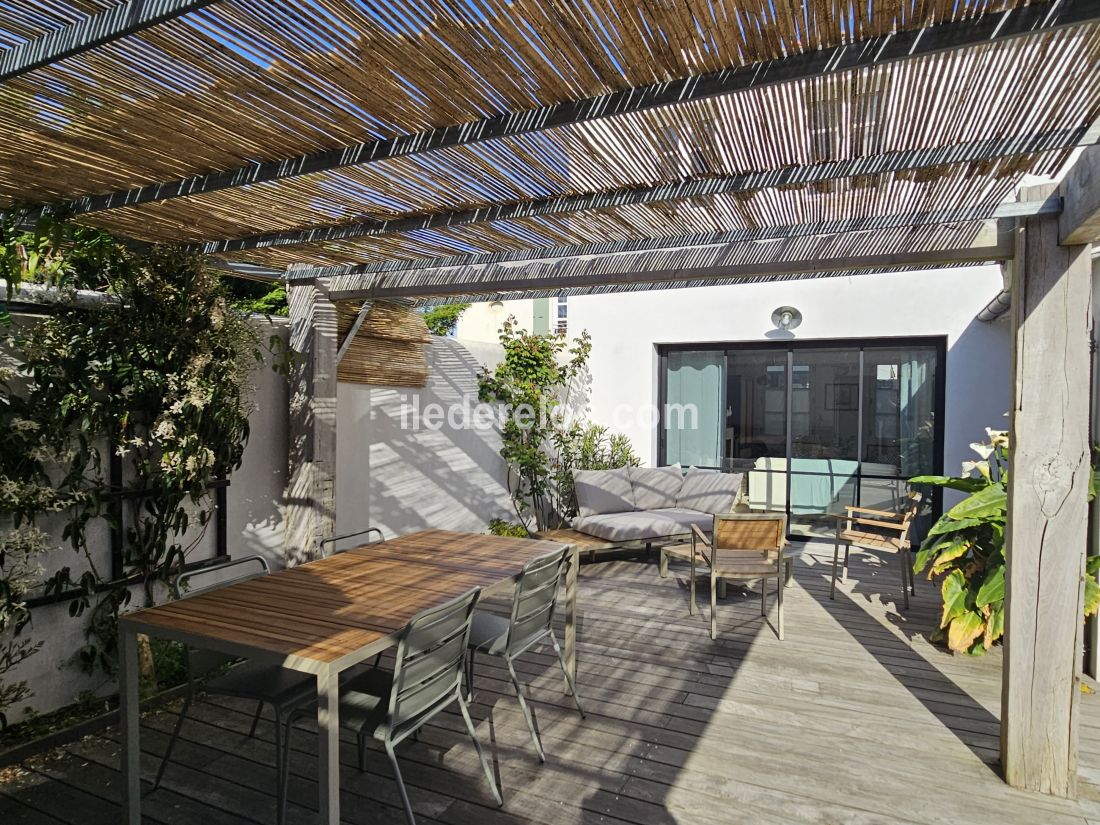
x=817, y=427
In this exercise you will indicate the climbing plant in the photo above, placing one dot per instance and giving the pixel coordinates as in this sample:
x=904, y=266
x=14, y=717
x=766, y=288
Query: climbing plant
x=157, y=376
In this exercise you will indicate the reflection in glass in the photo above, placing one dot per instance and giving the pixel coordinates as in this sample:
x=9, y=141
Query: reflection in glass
x=816, y=428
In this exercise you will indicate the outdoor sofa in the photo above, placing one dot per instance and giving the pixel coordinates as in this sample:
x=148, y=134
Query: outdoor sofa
x=644, y=508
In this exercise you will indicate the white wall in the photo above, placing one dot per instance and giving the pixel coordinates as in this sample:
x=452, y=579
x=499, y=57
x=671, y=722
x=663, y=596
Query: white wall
x=403, y=479
x=626, y=328
x=481, y=321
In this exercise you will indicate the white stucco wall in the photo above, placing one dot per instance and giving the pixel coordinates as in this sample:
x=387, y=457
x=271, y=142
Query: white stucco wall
x=626, y=329
x=481, y=321
x=404, y=479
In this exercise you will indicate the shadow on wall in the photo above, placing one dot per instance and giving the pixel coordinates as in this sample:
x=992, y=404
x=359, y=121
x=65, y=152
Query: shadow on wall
x=978, y=391
x=399, y=475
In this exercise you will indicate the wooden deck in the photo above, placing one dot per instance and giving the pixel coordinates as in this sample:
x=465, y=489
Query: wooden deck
x=855, y=718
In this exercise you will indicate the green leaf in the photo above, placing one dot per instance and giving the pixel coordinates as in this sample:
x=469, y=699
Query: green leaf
x=990, y=502
x=994, y=625
x=954, y=592
x=1092, y=596
x=965, y=630
x=993, y=587
x=950, y=525
x=966, y=485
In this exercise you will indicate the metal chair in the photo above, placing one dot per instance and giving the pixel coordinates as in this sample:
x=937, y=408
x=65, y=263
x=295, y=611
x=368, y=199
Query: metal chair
x=331, y=540
x=531, y=622
x=286, y=691
x=869, y=529
x=426, y=679
x=742, y=546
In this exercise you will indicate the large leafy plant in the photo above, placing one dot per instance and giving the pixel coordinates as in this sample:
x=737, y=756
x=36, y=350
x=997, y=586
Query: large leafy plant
x=965, y=549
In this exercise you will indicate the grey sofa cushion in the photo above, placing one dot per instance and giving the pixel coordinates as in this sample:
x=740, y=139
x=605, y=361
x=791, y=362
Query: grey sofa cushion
x=602, y=491
x=709, y=491
x=636, y=525
x=684, y=518
x=656, y=487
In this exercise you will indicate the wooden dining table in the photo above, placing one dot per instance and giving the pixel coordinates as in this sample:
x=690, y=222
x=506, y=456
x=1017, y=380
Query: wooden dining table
x=324, y=617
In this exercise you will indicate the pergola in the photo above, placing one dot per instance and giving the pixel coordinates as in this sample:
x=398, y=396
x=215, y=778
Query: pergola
x=437, y=150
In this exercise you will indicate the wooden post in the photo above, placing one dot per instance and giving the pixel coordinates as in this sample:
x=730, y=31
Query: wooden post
x=1047, y=507
x=310, y=499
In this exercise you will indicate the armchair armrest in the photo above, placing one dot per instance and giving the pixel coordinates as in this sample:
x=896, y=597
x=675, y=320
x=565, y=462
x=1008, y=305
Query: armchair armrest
x=699, y=535
x=883, y=513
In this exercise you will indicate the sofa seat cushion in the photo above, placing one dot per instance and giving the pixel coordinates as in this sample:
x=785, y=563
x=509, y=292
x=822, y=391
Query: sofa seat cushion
x=684, y=518
x=656, y=487
x=709, y=491
x=602, y=491
x=637, y=525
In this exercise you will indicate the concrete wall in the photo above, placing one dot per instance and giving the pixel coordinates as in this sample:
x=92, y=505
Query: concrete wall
x=401, y=479
x=626, y=329
x=254, y=526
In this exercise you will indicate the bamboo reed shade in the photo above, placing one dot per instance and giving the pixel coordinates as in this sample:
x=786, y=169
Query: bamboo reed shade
x=979, y=185
x=388, y=348
x=242, y=81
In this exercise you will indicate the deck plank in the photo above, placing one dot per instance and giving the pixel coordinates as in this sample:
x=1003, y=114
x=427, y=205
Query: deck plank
x=855, y=718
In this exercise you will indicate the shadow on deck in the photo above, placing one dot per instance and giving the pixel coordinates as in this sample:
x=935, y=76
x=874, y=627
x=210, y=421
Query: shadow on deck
x=855, y=718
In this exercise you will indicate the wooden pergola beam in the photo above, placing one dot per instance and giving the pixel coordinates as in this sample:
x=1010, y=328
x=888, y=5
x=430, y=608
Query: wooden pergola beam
x=877, y=51
x=714, y=264
x=888, y=162
x=91, y=32
x=1080, y=220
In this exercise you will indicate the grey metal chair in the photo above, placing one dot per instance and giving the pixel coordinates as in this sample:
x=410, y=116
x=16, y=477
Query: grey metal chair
x=531, y=622
x=286, y=691
x=331, y=540
x=426, y=679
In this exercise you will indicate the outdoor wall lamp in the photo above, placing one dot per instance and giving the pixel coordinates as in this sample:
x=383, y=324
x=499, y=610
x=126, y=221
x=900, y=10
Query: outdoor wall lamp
x=786, y=318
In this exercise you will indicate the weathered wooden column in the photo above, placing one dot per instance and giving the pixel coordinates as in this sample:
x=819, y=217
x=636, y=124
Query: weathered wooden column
x=311, y=477
x=1047, y=506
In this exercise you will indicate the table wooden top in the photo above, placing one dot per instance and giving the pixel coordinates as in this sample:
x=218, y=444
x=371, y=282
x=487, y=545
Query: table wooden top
x=333, y=608
x=582, y=541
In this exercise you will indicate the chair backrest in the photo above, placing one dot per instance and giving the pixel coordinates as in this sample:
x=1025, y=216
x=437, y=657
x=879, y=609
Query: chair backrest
x=430, y=654
x=910, y=516
x=535, y=597
x=200, y=662
x=214, y=576
x=762, y=532
x=330, y=542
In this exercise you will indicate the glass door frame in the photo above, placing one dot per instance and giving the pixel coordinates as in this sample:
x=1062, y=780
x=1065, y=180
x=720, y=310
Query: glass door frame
x=938, y=342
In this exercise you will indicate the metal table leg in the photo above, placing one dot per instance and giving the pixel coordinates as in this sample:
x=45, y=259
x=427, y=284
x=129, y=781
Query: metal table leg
x=328, y=746
x=571, y=615
x=130, y=719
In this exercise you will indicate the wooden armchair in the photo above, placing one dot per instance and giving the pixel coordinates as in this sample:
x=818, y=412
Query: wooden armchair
x=868, y=529
x=743, y=546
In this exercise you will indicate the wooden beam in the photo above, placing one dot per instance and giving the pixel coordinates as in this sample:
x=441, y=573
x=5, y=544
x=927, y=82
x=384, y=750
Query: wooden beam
x=966, y=214
x=310, y=499
x=878, y=51
x=1047, y=509
x=353, y=330
x=1080, y=221
x=889, y=162
x=716, y=263
x=96, y=30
